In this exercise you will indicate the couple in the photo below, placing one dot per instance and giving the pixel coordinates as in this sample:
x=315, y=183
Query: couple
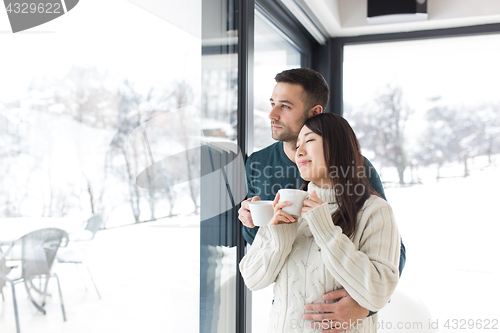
x=339, y=260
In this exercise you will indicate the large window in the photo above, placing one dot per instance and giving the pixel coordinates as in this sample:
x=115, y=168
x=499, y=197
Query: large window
x=274, y=52
x=427, y=115
x=88, y=102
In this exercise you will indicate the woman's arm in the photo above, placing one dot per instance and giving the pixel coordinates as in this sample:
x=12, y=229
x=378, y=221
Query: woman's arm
x=369, y=274
x=263, y=262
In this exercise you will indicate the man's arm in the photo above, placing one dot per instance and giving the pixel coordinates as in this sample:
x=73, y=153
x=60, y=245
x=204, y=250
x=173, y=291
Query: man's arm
x=347, y=309
x=249, y=230
x=374, y=178
x=376, y=184
x=249, y=234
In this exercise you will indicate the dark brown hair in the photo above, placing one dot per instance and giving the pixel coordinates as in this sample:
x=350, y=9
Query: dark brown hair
x=346, y=168
x=314, y=84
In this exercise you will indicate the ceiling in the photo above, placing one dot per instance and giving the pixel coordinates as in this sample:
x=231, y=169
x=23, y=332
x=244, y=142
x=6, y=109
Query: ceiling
x=341, y=18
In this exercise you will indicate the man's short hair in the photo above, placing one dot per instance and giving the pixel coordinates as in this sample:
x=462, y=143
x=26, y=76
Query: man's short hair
x=314, y=84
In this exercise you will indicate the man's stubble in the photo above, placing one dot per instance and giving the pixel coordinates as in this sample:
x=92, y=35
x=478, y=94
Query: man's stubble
x=287, y=134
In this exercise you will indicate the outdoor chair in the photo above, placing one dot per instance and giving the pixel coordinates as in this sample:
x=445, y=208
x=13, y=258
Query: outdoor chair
x=78, y=247
x=4, y=270
x=39, y=250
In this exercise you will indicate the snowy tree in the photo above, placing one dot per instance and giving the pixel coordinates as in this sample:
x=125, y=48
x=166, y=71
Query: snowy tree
x=454, y=133
x=381, y=127
x=434, y=142
x=86, y=94
x=130, y=154
x=187, y=130
x=11, y=148
x=123, y=159
x=489, y=116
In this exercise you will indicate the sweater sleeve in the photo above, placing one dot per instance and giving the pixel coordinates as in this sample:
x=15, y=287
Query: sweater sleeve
x=249, y=233
x=263, y=262
x=369, y=274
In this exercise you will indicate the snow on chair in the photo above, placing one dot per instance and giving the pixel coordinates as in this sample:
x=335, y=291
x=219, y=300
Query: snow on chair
x=39, y=250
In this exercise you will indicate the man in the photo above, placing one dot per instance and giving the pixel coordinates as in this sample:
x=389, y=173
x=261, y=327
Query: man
x=298, y=95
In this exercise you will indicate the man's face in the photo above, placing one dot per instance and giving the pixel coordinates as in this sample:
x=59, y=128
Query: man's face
x=288, y=113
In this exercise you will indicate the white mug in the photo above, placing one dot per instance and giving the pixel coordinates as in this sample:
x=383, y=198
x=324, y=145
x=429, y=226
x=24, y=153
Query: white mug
x=262, y=212
x=296, y=197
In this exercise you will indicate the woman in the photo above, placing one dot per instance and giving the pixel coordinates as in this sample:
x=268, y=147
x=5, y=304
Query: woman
x=346, y=236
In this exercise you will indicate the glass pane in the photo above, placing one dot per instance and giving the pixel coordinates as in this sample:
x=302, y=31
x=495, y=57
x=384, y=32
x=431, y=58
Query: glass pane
x=222, y=184
x=427, y=115
x=274, y=52
x=89, y=102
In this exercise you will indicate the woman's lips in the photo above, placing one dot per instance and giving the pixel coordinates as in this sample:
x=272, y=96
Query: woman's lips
x=301, y=163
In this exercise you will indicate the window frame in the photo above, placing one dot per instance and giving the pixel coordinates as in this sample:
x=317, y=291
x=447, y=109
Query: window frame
x=280, y=16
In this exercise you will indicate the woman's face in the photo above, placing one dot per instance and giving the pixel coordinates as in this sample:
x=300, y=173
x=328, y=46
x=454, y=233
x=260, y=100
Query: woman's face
x=310, y=158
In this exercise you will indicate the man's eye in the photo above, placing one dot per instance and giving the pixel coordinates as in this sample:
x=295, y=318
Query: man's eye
x=286, y=106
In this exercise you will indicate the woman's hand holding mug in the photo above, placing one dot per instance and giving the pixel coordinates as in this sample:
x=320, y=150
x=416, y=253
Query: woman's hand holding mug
x=280, y=216
x=310, y=203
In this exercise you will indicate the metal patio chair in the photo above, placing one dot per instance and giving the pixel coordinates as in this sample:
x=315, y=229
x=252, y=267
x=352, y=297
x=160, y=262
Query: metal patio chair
x=39, y=250
x=4, y=270
x=77, y=249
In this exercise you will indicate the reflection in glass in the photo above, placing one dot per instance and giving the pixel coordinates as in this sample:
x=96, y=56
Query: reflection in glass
x=220, y=188
x=274, y=53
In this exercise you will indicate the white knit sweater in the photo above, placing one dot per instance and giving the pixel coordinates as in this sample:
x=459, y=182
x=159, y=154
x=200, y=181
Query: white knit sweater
x=312, y=257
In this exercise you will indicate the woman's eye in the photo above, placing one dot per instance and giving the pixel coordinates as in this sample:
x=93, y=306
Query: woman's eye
x=309, y=140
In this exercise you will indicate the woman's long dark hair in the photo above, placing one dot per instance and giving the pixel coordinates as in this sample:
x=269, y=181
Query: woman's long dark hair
x=345, y=165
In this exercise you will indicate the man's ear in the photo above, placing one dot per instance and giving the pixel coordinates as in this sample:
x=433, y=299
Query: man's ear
x=315, y=110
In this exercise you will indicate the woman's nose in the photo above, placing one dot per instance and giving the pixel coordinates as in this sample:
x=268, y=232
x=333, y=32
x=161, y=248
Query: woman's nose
x=300, y=152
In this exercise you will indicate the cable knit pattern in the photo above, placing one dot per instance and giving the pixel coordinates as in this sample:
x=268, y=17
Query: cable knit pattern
x=312, y=257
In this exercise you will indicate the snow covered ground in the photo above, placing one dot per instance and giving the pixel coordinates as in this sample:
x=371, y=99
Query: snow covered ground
x=450, y=230
x=148, y=274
